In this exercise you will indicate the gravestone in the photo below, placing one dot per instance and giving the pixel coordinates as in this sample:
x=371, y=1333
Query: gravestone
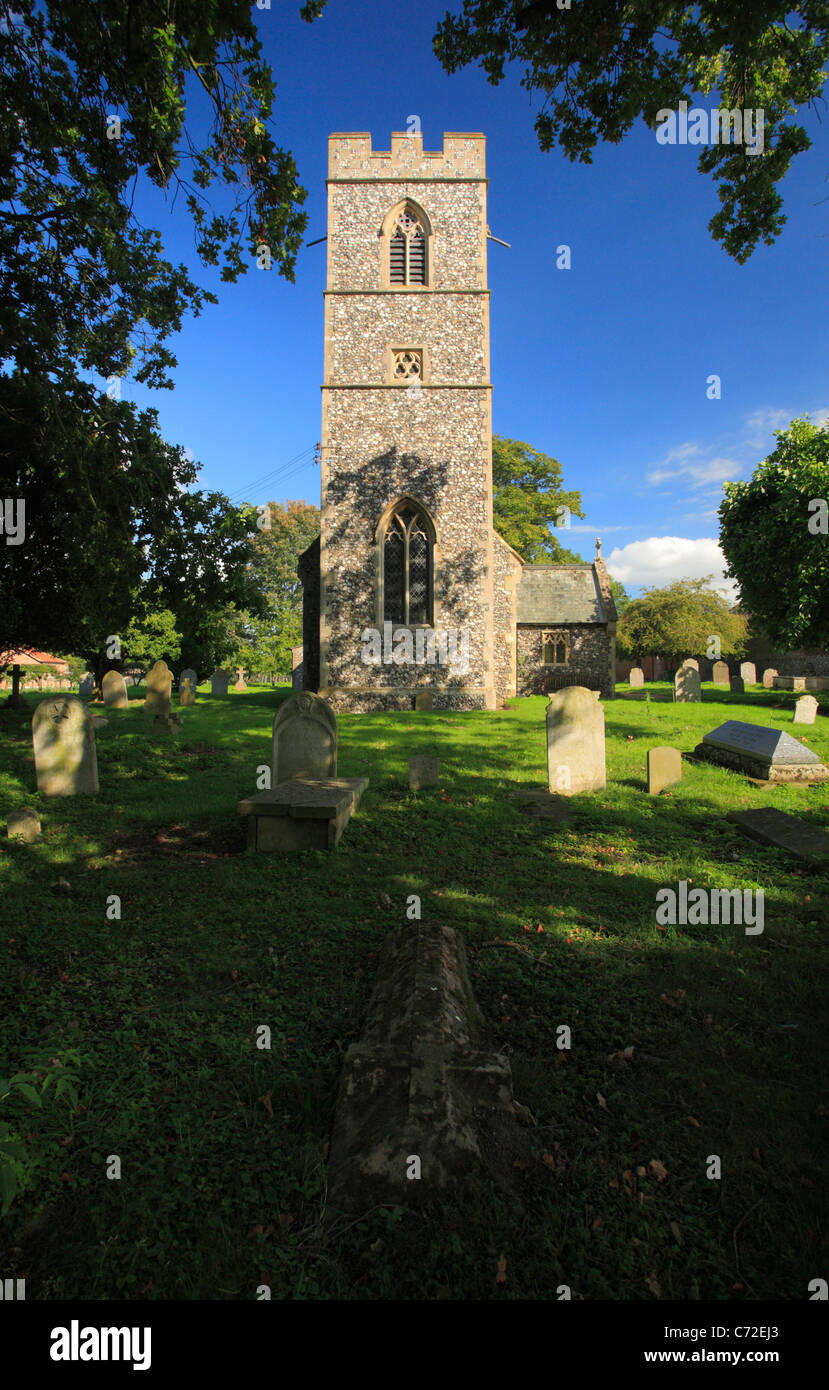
x=748, y=671
x=188, y=674
x=241, y=683
x=159, y=685
x=720, y=674
x=790, y=682
x=304, y=739
x=114, y=689
x=575, y=742
x=302, y=813
x=767, y=754
x=778, y=828
x=186, y=692
x=423, y=701
x=23, y=824
x=219, y=682
x=768, y=677
x=419, y=1083
x=817, y=683
x=687, y=686
x=424, y=771
x=297, y=669
x=805, y=710
x=664, y=768
x=636, y=677
x=87, y=685
x=64, y=743
x=691, y=663
x=737, y=685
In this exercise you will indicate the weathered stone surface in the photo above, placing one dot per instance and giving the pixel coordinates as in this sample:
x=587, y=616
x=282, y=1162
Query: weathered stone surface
x=691, y=663
x=188, y=674
x=748, y=671
x=424, y=771
x=687, y=685
x=790, y=682
x=636, y=677
x=575, y=742
x=773, y=827
x=304, y=739
x=423, y=701
x=159, y=686
x=186, y=692
x=302, y=813
x=219, y=682
x=761, y=752
x=805, y=710
x=720, y=674
x=241, y=683
x=768, y=677
x=114, y=690
x=417, y=1084
x=738, y=685
x=817, y=682
x=64, y=744
x=664, y=768
x=87, y=685
x=23, y=824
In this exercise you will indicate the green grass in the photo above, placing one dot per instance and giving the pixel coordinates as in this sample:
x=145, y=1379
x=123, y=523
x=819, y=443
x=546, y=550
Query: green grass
x=223, y=1146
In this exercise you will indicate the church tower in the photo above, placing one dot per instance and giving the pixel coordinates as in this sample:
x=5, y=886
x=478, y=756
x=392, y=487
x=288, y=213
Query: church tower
x=407, y=544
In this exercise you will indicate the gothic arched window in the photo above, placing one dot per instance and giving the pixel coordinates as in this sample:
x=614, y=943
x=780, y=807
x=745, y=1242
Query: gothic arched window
x=408, y=237
x=555, y=649
x=407, y=566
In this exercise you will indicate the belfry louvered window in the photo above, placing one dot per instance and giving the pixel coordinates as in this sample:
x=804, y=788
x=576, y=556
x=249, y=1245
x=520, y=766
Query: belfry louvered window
x=407, y=568
x=407, y=251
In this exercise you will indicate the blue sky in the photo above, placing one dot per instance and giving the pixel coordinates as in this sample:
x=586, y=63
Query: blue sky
x=604, y=365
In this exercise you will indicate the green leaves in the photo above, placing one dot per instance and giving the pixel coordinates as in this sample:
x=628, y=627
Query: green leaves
x=598, y=74
x=527, y=499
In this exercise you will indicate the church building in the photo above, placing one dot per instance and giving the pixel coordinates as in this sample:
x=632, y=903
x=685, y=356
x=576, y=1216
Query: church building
x=409, y=591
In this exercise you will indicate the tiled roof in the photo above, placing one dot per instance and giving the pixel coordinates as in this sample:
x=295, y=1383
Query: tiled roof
x=559, y=594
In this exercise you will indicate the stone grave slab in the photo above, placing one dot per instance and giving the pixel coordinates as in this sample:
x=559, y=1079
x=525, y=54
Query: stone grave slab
x=805, y=709
x=687, y=686
x=790, y=682
x=768, y=754
x=114, y=690
x=188, y=674
x=575, y=742
x=636, y=677
x=817, y=682
x=219, y=682
x=748, y=671
x=691, y=663
x=768, y=677
x=304, y=813
x=738, y=685
x=186, y=692
x=23, y=824
x=784, y=831
x=304, y=740
x=159, y=684
x=424, y=771
x=87, y=685
x=664, y=768
x=720, y=674
x=419, y=1083
x=64, y=742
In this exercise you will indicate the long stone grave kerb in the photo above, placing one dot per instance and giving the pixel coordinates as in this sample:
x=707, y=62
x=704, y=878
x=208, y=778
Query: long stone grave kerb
x=417, y=1083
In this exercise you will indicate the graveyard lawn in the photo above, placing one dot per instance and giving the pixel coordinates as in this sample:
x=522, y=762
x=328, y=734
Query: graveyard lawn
x=687, y=1041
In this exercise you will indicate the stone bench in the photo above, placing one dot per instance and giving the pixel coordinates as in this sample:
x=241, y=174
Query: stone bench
x=302, y=813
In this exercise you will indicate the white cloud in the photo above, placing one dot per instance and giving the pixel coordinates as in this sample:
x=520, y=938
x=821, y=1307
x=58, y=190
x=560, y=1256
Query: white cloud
x=661, y=559
x=701, y=473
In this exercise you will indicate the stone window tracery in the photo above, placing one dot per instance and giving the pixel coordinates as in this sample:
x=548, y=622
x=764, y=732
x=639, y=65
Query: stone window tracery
x=407, y=567
x=555, y=648
x=407, y=250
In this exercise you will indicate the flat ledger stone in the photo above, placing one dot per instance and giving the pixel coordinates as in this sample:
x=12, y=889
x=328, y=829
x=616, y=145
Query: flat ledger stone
x=778, y=828
x=302, y=813
x=768, y=754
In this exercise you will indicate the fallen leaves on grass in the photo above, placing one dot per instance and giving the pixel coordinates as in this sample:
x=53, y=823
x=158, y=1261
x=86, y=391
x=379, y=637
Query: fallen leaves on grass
x=658, y=1169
